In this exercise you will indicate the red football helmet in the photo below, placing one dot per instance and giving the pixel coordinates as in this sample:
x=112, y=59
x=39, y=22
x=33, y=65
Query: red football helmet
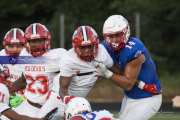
x=37, y=32
x=85, y=42
x=14, y=37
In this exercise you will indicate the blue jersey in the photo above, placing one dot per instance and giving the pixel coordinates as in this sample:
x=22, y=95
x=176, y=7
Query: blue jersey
x=148, y=73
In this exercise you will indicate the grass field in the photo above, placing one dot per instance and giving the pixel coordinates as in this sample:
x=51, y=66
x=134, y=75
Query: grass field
x=166, y=116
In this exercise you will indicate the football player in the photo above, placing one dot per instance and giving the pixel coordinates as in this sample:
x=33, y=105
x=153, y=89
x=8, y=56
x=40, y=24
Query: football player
x=13, y=43
x=78, y=71
x=139, y=77
x=6, y=112
x=37, y=78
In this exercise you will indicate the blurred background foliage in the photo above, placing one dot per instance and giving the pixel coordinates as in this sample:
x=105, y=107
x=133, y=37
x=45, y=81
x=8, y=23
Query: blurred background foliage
x=159, y=25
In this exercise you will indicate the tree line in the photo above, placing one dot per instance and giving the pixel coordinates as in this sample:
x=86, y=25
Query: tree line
x=159, y=21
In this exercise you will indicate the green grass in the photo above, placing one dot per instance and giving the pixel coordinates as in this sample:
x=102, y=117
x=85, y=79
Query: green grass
x=166, y=116
x=163, y=116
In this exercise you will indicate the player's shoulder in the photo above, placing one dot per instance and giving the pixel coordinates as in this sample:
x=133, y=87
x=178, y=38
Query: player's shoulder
x=71, y=53
x=71, y=58
x=101, y=47
x=135, y=43
x=56, y=52
x=133, y=48
x=102, y=52
x=2, y=52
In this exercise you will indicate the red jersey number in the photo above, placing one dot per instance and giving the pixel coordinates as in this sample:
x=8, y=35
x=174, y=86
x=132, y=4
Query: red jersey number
x=43, y=81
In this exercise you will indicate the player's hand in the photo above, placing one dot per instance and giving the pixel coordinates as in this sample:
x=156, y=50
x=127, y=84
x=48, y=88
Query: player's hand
x=104, y=71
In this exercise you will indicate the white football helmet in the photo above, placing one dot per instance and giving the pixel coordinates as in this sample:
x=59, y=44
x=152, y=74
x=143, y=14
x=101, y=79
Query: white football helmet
x=116, y=24
x=76, y=105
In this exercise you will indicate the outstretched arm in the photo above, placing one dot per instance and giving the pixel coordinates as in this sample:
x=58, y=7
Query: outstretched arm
x=64, y=84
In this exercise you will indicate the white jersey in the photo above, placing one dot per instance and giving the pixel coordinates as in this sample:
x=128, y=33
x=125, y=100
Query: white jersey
x=39, y=77
x=84, y=74
x=14, y=70
x=4, y=98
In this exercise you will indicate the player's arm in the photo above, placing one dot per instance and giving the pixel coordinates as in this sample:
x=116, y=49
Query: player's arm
x=12, y=115
x=115, y=68
x=64, y=84
x=129, y=78
x=20, y=83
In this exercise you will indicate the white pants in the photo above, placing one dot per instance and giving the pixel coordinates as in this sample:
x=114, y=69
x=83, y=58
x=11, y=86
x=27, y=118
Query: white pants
x=52, y=102
x=140, y=109
x=27, y=109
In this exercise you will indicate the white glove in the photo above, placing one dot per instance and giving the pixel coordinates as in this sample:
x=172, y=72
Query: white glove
x=105, y=72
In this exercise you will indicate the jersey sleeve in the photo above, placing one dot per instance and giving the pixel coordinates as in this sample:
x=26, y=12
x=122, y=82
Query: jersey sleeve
x=2, y=52
x=54, y=56
x=107, y=60
x=65, y=66
x=136, y=48
x=4, y=98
